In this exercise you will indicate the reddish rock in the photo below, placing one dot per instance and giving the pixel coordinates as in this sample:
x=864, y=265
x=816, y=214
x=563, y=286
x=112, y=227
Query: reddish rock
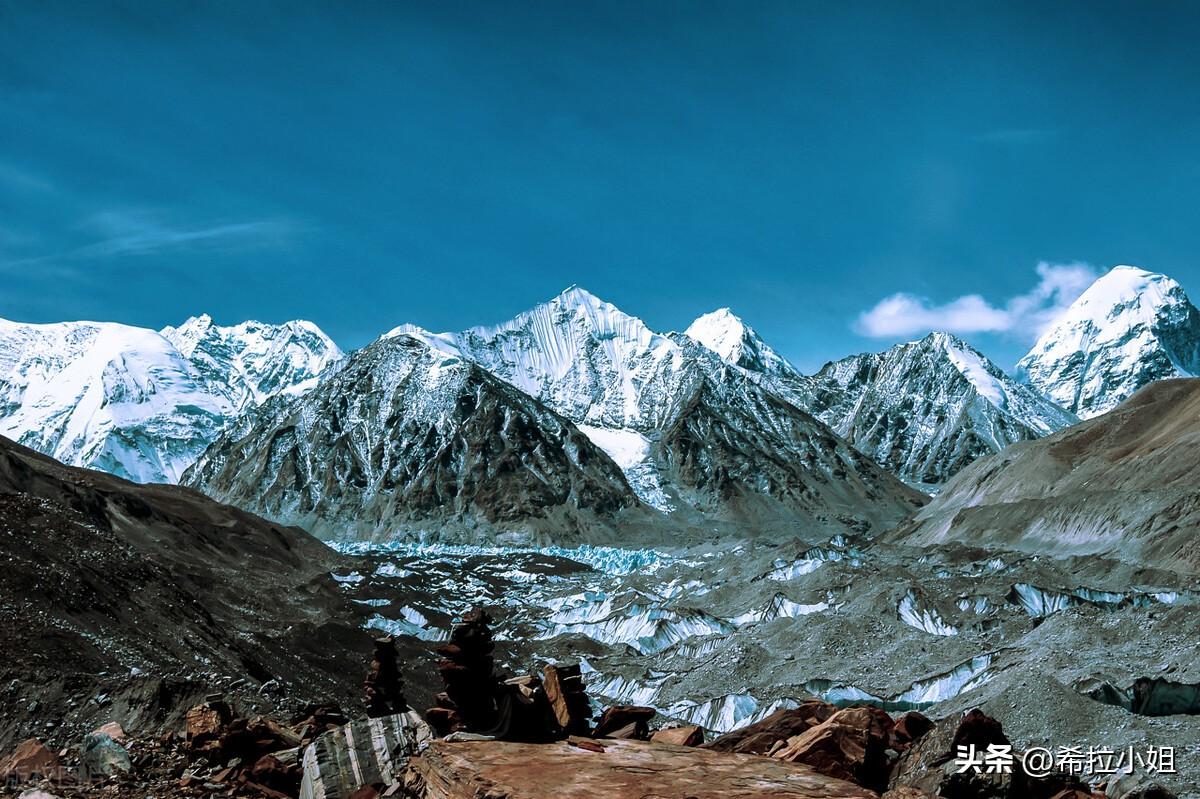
x=268, y=770
x=205, y=724
x=850, y=745
x=30, y=759
x=113, y=730
x=630, y=721
x=624, y=770
x=567, y=697
x=763, y=736
x=909, y=728
x=366, y=792
x=979, y=730
x=679, y=736
x=444, y=720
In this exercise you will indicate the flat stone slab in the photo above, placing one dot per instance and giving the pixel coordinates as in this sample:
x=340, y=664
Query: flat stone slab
x=624, y=770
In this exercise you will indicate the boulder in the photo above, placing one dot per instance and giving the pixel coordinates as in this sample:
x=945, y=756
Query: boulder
x=625, y=721
x=931, y=764
x=364, y=752
x=762, y=736
x=907, y=793
x=909, y=728
x=621, y=770
x=113, y=730
x=568, y=698
x=29, y=760
x=36, y=793
x=273, y=773
x=103, y=757
x=204, y=726
x=850, y=745
x=679, y=736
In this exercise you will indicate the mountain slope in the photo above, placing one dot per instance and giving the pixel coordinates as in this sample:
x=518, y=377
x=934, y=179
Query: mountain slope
x=131, y=602
x=407, y=440
x=928, y=408
x=739, y=452
x=643, y=396
x=128, y=401
x=1121, y=486
x=118, y=398
x=252, y=362
x=924, y=409
x=1130, y=328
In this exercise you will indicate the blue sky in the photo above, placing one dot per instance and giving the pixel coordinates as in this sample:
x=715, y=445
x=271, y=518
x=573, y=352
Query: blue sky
x=363, y=164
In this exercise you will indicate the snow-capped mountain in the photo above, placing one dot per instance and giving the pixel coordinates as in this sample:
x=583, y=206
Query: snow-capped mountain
x=928, y=408
x=737, y=343
x=123, y=399
x=253, y=361
x=1131, y=327
x=581, y=356
x=648, y=399
x=924, y=409
x=112, y=397
x=405, y=439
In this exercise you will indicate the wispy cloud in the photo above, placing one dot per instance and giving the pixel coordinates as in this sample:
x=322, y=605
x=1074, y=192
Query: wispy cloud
x=1025, y=315
x=139, y=233
x=117, y=233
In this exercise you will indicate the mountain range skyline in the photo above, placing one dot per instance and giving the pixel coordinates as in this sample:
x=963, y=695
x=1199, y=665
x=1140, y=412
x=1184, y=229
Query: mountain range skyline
x=149, y=404
x=902, y=318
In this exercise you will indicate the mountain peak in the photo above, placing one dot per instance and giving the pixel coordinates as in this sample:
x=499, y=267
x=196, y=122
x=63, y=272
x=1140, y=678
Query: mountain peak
x=721, y=331
x=1129, y=328
x=575, y=295
x=724, y=332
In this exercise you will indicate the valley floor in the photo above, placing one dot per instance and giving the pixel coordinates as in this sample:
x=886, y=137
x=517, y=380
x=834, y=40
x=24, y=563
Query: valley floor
x=723, y=637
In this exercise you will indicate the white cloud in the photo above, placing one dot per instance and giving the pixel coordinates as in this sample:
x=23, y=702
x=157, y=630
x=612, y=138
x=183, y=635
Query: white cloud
x=1025, y=315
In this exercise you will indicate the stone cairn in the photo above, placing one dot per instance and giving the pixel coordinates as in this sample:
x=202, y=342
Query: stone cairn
x=384, y=688
x=470, y=699
x=525, y=708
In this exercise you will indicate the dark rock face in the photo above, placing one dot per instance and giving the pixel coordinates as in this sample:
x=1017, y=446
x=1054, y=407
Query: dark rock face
x=736, y=450
x=404, y=437
x=102, y=574
x=625, y=721
x=568, y=699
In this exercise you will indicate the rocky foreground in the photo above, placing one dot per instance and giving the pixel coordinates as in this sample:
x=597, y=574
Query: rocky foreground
x=535, y=737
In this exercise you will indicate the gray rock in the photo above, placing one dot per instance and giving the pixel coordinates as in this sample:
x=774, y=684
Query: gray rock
x=104, y=757
x=363, y=752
